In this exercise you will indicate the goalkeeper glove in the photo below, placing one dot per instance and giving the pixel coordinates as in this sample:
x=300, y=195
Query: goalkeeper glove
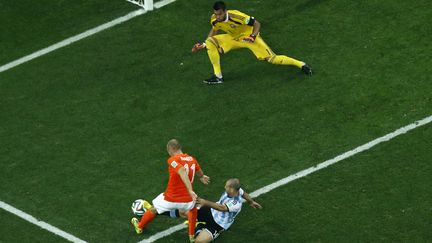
x=198, y=46
x=250, y=39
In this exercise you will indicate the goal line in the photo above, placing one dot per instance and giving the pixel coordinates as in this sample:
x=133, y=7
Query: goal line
x=146, y=4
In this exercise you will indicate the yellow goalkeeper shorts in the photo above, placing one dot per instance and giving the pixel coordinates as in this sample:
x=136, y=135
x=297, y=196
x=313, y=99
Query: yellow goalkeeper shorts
x=226, y=43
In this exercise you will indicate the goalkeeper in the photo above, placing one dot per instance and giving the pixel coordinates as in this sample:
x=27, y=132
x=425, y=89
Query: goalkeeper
x=241, y=31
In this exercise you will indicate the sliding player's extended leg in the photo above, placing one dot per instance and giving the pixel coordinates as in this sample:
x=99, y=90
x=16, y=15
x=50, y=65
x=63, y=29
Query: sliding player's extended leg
x=203, y=236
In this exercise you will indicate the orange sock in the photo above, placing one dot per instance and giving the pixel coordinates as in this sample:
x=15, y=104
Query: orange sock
x=192, y=218
x=146, y=218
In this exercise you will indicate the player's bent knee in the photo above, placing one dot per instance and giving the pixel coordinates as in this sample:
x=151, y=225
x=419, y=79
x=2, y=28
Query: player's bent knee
x=270, y=59
x=207, y=42
x=183, y=214
x=202, y=240
x=210, y=43
x=203, y=237
x=153, y=210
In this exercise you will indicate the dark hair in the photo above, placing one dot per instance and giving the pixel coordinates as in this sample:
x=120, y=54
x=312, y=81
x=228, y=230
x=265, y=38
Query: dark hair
x=219, y=5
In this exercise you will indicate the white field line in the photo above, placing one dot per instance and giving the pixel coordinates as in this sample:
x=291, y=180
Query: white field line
x=39, y=223
x=47, y=50
x=310, y=170
x=162, y=3
x=81, y=36
x=165, y=233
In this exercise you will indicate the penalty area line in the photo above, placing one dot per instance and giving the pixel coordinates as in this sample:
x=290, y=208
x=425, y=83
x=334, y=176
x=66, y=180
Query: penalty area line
x=310, y=170
x=40, y=223
x=81, y=36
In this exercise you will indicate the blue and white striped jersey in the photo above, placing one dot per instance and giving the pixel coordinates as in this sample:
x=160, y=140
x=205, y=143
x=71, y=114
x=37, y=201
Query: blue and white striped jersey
x=234, y=204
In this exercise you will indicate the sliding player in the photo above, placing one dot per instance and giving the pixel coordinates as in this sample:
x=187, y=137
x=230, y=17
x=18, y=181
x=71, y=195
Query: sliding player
x=241, y=31
x=179, y=193
x=216, y=217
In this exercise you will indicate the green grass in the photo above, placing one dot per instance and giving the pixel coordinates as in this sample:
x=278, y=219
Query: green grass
x=83, y=129
x=14, y=229
x=381, y=195
x=28, y=26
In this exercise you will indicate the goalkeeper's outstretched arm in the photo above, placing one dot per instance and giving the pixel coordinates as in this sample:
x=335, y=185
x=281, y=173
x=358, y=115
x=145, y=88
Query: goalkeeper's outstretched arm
x=201, y=45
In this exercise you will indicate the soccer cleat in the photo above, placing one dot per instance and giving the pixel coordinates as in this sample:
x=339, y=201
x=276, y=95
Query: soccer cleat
x=134, y=222
x=196, y=224
x=191, y=238
x=213, y=80
x=307, y=69
x=147, y=205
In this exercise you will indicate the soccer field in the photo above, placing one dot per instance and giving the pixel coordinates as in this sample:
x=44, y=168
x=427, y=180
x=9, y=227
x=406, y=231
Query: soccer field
x=83, y=129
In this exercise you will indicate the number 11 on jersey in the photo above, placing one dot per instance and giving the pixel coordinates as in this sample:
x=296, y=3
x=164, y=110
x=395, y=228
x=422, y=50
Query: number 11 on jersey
x=186, y=166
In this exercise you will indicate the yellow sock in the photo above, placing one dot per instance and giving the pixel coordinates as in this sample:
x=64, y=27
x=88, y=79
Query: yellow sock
x=214, y=57
x=284, y=60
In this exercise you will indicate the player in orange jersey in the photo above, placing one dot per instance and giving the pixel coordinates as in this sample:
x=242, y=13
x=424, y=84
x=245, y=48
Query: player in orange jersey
x=179, y=193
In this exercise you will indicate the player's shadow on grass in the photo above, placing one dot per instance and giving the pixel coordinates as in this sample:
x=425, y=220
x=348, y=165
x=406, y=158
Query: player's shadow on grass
x=242, y=67
x=265, y=72
x=308, y=4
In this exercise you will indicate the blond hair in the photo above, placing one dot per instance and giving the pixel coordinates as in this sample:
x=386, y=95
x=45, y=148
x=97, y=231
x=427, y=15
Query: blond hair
x=174, y=144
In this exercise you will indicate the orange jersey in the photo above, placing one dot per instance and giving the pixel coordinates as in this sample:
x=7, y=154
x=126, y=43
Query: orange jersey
x=176, y=190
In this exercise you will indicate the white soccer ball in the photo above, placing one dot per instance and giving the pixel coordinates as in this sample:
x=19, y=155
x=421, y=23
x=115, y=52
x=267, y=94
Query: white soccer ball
x=138, y=207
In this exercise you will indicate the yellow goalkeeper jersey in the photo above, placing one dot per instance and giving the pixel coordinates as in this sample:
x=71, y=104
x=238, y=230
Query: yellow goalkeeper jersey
x=236, y=24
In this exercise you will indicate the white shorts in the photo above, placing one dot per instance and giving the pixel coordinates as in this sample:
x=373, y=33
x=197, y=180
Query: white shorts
x=162, y=205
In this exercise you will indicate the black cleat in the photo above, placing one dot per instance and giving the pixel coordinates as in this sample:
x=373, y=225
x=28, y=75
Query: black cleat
x=213, y=80
x=307, y=69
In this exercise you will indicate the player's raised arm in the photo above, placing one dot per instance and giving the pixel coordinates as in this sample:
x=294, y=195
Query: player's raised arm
x=203, y=178
x=251, y=202
x=184, y=177
x=210, y=204
x=201, y=45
